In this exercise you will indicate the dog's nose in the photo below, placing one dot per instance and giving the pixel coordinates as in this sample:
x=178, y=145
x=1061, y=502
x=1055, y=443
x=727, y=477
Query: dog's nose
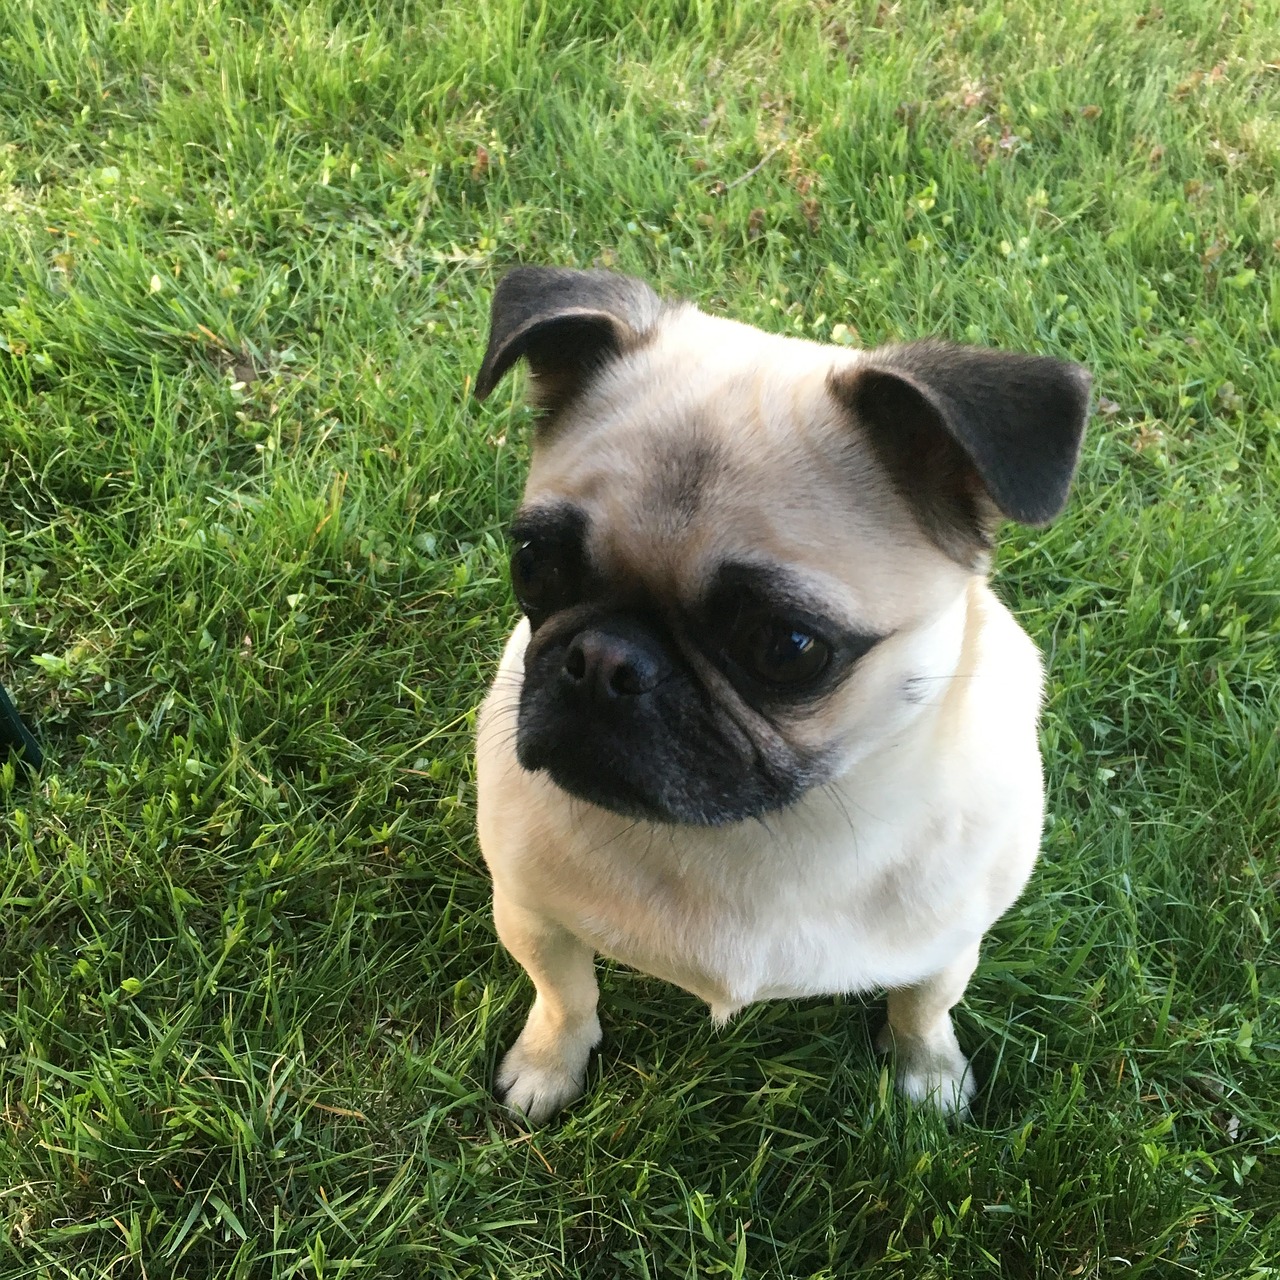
x=608, y=664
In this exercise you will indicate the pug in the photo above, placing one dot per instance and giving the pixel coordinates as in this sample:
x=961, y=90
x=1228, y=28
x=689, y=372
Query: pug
x=764, y=730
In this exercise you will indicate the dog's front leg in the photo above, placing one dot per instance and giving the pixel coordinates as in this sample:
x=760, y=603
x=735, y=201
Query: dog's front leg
x=547, y=1066
x=930, y=1066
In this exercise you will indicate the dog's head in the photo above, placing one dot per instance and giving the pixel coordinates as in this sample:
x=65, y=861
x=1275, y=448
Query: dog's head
x=744, y=558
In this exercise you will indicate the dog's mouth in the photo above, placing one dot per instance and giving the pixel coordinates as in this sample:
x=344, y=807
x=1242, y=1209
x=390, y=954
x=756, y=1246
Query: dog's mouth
x=596, y=783
x=647, y=785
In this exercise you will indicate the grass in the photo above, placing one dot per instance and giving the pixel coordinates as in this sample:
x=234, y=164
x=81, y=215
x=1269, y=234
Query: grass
x=252, y=584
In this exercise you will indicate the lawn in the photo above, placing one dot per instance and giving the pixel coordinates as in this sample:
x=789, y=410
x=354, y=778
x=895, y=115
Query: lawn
x=253, y=582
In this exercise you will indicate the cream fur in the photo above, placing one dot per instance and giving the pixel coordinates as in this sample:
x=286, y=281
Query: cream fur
x=885, y=878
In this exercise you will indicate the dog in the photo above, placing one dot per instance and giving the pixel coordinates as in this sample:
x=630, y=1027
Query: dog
x=764, y=730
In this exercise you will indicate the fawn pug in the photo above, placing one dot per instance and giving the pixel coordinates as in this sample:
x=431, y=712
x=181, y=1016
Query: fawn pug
x=764, y=730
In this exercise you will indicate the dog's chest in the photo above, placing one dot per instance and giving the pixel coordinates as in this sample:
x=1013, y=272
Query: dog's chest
x=754, y=914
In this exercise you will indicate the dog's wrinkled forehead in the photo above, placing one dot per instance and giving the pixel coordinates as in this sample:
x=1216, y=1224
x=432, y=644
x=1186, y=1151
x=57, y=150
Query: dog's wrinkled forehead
x=715, y=443
x=687, y=474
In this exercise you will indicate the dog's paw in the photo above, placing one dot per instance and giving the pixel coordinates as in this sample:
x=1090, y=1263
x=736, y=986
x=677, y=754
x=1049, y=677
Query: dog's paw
x=538, y=1079
x=935, y=1074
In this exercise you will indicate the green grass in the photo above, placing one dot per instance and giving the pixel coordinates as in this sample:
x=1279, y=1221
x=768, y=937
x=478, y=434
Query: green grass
x=252, y=584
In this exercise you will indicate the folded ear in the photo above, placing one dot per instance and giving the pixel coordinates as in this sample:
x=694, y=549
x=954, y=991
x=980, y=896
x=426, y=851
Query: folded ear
x=566, y=324
x=969, y=435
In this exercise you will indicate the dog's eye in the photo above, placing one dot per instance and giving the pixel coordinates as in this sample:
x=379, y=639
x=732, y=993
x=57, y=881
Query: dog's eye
x=781, y=654
x=541, y=578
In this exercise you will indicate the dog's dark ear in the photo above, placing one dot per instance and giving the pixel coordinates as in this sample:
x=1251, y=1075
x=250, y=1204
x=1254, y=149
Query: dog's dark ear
x=970, y=435
x=566, y=324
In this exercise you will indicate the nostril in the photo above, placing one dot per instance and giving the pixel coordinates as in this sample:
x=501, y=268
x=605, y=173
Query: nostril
x=575, y=663
x=625, y=681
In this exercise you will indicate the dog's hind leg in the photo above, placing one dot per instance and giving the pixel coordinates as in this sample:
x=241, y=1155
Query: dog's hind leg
x=546, y=1067
x=930, y=1066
